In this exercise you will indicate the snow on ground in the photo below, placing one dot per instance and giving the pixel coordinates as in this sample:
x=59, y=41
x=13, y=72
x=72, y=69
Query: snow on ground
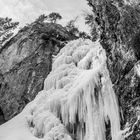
x=77, y=100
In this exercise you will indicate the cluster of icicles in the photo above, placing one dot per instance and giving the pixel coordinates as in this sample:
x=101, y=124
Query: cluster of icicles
x=78, y=99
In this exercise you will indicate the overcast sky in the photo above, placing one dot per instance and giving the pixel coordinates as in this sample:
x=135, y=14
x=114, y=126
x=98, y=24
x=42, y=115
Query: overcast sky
x=26, y=11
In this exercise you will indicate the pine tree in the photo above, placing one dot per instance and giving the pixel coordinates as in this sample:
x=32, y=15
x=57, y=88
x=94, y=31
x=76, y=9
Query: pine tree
x=41, y=18
x=6, y=29
x=53, y=17
x=90, y=20
x=71, y=28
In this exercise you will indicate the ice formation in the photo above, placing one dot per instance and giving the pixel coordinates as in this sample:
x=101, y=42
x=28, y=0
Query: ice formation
x=77, y=102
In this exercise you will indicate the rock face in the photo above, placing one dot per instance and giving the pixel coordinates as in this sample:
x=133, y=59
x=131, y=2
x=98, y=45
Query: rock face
x=118, y=22
x=2, y=120
x=25, y=62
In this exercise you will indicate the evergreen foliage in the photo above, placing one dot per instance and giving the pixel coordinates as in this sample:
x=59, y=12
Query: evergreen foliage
x=7, y=27
x=53, y=17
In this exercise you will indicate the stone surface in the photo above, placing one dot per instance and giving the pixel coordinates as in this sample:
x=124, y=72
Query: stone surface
x=2, y=120
x=119, y=26
x=25, y=61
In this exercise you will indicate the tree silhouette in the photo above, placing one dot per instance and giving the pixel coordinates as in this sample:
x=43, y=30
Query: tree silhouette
x=41, y=18
x=6, y=29
x=53, y=17
x=71, y=28
x=84, y=35
x=90, y=20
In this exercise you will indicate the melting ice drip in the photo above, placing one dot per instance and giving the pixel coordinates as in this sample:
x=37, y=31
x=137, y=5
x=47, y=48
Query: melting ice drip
x=77, y=100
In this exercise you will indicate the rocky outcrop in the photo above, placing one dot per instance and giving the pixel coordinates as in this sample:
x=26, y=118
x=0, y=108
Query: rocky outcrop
x=2, y=120
x=25, y=62
x=118, y=22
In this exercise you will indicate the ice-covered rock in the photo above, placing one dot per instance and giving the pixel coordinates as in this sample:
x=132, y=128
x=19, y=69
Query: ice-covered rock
x=77, y=102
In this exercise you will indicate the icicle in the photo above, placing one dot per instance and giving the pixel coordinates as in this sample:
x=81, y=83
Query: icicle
x=80, y=104
x=78, y=98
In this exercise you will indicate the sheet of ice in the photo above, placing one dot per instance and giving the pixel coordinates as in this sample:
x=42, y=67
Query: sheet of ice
x=76, y=103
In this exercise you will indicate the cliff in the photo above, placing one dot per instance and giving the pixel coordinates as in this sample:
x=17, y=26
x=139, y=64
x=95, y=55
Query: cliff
x=25, y=62
x=118, y=23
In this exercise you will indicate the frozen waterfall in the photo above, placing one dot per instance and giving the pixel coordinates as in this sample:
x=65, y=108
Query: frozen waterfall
x=77, y=102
